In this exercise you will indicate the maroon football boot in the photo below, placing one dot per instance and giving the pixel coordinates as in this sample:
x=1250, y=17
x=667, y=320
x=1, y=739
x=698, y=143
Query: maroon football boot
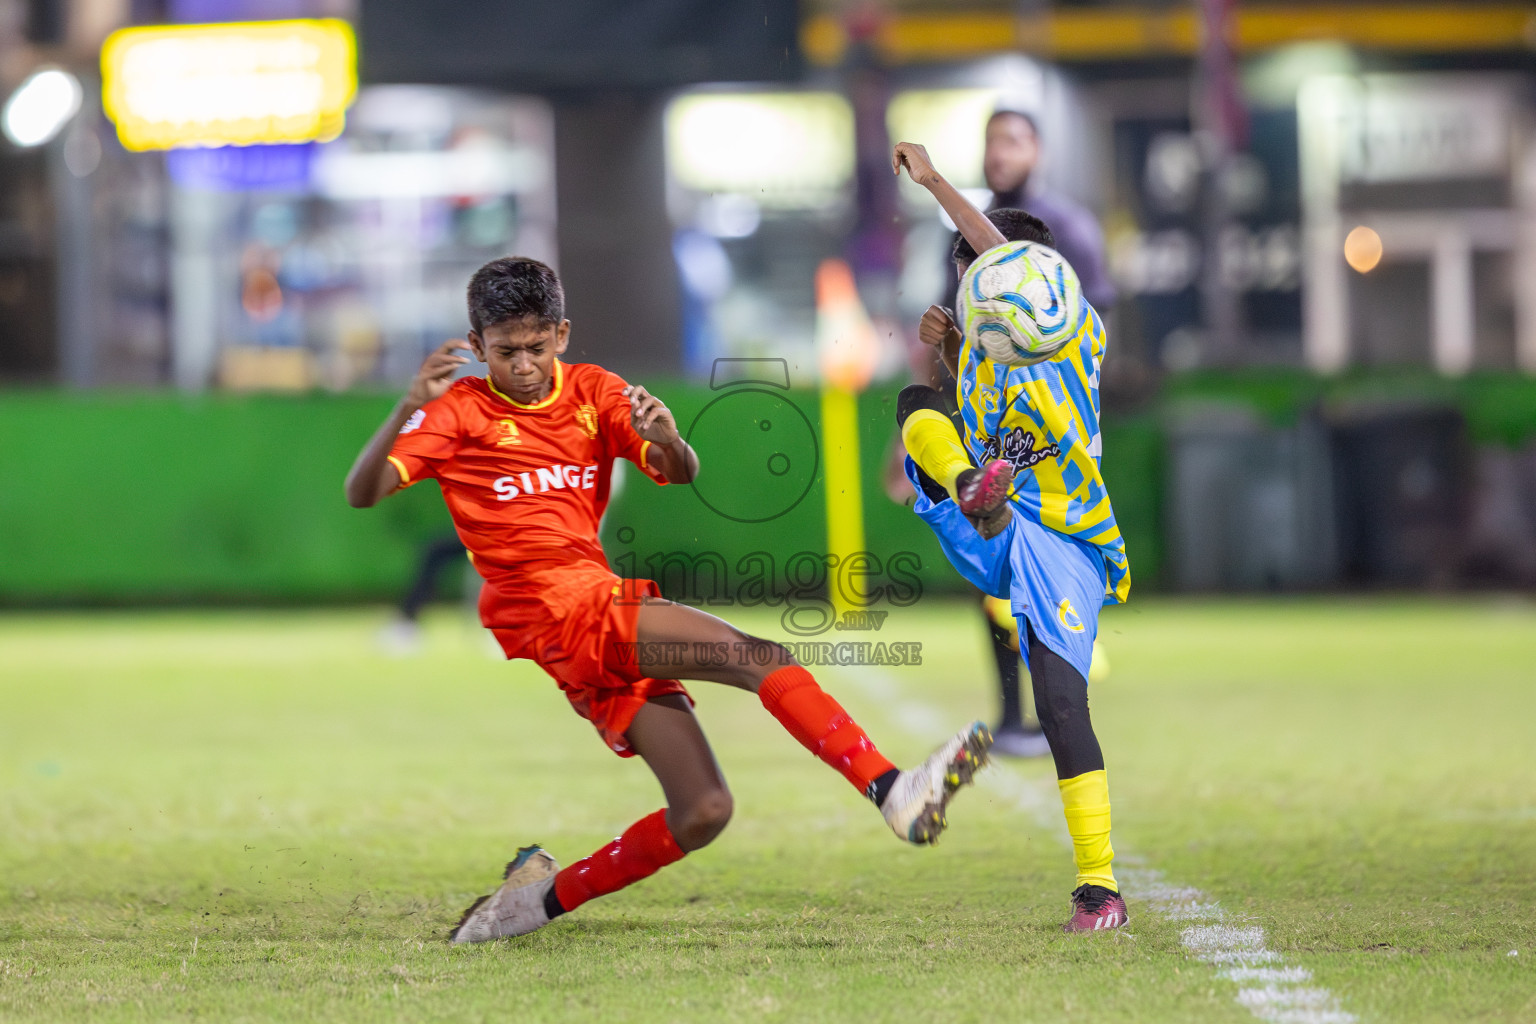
x=982, y=495
x=1095, y=909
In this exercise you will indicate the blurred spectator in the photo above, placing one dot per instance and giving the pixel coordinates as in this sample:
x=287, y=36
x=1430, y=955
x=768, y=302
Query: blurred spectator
x=1012, y=156
x=403, y=635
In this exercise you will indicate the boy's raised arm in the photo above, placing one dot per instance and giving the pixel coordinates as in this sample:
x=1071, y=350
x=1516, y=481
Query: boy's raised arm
x=971, y=222
x=653, y=421
x=373, y=477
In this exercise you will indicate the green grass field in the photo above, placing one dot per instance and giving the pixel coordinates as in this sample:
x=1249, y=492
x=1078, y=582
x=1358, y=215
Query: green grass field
x=255, y=816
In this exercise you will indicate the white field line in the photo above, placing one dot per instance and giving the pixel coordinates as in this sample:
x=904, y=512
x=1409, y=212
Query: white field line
x=1268, y=989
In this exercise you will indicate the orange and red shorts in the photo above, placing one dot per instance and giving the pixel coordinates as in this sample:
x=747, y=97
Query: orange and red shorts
x=579, y=621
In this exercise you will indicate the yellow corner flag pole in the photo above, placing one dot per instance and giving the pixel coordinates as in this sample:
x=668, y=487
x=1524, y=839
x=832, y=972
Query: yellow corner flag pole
x=846, y=347
x=845, y=498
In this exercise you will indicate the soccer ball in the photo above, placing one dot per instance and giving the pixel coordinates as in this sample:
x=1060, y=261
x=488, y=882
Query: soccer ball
x=1021, y=302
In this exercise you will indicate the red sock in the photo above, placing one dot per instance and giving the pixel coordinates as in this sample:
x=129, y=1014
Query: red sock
x=645, y=848
x=822, y=726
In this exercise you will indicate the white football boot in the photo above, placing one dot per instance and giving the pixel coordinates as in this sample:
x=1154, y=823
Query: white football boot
x=517, y=908
x=915, y=807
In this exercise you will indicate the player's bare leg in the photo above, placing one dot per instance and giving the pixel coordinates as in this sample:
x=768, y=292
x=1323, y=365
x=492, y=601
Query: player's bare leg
x=681, y=642
x=666, y=734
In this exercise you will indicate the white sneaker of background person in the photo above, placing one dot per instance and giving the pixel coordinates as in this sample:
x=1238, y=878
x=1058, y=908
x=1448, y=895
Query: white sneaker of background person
x=400, y=637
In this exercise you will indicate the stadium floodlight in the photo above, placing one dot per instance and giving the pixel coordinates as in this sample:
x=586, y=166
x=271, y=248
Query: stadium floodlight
x=41, y=108
x=236, y=84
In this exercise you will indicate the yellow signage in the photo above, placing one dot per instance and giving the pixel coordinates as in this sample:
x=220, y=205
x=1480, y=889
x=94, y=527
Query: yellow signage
x=236, y=84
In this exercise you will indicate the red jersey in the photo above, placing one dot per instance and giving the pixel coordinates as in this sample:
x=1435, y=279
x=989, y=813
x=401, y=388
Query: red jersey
x=524, y=483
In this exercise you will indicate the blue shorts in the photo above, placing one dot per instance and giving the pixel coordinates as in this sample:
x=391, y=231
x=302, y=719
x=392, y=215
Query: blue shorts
x=1054, y=581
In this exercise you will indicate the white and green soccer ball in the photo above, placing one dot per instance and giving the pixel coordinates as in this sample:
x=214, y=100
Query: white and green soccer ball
x=1021, y=302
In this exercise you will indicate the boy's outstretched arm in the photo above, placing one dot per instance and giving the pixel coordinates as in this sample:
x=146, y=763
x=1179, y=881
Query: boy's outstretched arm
x=373, y=477
x=653, y=421
x=973, y=224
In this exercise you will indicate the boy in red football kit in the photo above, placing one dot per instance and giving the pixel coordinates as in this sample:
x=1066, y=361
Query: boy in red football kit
x=523, y=456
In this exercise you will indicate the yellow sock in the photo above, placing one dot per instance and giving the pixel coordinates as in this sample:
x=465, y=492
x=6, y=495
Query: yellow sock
x=933, y=444
x=1085, y=799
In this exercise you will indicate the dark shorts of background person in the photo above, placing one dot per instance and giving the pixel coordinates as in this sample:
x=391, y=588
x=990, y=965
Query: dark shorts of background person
x=436, y=556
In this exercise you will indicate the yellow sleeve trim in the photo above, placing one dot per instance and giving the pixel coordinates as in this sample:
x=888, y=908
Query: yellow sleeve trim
x=645, y=465
x=405, y=477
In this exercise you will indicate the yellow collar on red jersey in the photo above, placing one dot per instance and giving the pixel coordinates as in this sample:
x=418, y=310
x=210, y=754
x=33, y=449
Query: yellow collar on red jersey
x=542, y=403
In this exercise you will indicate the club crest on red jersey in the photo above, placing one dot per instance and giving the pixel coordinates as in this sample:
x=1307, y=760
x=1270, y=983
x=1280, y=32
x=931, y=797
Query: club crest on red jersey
x=586, y=415
x=509, y=434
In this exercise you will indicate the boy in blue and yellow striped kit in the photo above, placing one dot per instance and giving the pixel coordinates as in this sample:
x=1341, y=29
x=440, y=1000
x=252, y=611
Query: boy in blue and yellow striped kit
x=1049, y=544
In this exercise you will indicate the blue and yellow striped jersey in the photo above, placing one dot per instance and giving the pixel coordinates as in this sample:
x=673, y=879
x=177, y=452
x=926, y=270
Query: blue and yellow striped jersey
x=1044, y=419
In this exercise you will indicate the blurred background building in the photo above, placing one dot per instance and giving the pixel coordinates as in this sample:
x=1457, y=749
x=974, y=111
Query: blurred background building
x=219, y=216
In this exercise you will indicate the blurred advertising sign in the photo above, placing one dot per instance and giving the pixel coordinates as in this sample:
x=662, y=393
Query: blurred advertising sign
x=485, y=170
x=1409, y=128
x=1159, y=250
x=174, y=86
x=786, y=150
x=243, y=168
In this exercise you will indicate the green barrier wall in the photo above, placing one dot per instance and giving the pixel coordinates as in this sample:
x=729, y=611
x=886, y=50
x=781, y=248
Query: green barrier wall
x=160, y=498
x=1500, y=408
x=661, y=532
x=164, y=498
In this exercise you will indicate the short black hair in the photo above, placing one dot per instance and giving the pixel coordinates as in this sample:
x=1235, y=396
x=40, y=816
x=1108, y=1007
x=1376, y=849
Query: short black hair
x=515, y=288
x=1029, y=118
x=1016, y=226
